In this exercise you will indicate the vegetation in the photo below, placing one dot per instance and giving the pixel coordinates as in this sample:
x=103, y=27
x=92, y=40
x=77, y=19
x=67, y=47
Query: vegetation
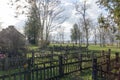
x=44, y=20
x=103, y=26
x=82, y=9
x=112, y=7
x=75, y=36
x=44, y=16
x=98, y=48
x=32, y=28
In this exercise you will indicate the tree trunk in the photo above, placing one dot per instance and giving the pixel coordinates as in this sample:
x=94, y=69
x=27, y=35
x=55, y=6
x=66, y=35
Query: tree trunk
x=79, y=42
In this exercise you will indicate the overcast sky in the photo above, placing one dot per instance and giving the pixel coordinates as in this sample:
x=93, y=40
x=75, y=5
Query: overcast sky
x=7, y=15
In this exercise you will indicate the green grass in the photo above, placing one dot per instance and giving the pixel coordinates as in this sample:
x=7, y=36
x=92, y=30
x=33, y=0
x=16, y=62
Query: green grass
x=84, y=75
x=98, y=48
x=94, y=47
x=33, y=47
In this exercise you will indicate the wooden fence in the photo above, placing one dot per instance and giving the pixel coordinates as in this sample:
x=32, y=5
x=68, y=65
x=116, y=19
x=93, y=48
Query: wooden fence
x=53, y=66
x=106, y=67
x=65, y=48
x=12, y=63
x=47, y=67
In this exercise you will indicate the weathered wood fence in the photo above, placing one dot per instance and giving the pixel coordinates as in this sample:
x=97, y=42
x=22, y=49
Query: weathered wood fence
x=45, y=66
x=55, y=66
x=60, y=48
x=106, y=67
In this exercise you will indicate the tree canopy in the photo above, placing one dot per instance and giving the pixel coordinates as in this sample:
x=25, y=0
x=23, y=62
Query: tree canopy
x=75, y=33
x=113, y=7
x=45, y=14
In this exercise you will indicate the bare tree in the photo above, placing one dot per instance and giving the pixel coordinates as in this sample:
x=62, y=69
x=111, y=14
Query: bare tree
x=81, y=30
x=61, y=34
x=107, y=30
x=95, y=36
x=82, y=10
x=49, y=14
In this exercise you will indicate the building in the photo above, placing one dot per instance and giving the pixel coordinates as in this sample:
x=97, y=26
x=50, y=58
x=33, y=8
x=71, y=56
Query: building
x=11, y=40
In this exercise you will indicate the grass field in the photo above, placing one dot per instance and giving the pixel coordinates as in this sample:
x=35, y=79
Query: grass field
x=91, y=47
x=98, y=48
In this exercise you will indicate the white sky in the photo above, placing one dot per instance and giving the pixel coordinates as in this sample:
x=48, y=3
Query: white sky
x=7, y=15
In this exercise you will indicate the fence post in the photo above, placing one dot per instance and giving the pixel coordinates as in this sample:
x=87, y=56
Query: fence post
x=108, y=60
x=81, y=62
x=61, y=48
x=103, y=52
x=66, y=47
x=73, y=46
x=32, y=58
x=52, y=54
x=94, y=69
x=117, y=56
x=54, y=48
x=29, y=69
x=107, y=65
x=6, y=63
x=61, y=69
x=103, y=55
x=109, y=54
x=33, y=65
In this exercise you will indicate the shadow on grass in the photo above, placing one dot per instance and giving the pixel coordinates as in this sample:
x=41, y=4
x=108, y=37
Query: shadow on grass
x=84, y=75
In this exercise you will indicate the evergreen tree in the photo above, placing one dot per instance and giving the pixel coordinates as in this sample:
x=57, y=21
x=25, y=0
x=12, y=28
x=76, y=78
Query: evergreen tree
x=32, y=27
x=75, y=33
